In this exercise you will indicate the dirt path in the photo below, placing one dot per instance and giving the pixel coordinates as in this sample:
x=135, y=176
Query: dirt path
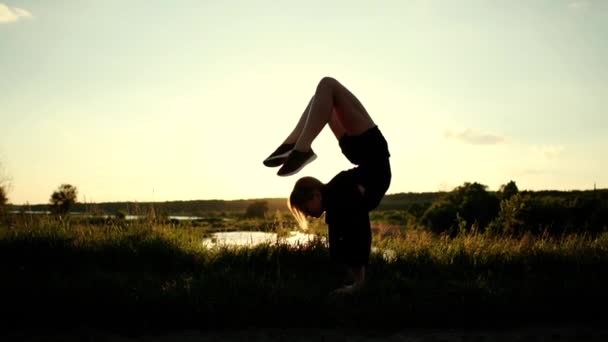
x=534, y=334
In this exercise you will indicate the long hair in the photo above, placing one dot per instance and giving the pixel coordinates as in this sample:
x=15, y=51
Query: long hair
x=302, y=192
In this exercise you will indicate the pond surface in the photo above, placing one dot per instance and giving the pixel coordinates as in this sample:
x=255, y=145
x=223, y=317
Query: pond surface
x=245, y=238
x=127, y=217
x=295, y=238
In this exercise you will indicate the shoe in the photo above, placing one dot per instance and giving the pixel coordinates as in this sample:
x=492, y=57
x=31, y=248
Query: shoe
x=278, y=157
x=296, y=161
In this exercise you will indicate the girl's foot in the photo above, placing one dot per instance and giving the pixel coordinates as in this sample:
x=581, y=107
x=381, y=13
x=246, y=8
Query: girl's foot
x=278, y=157
x=296, y=160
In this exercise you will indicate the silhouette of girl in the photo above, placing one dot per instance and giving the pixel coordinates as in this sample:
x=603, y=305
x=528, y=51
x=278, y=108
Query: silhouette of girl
x=349, y=196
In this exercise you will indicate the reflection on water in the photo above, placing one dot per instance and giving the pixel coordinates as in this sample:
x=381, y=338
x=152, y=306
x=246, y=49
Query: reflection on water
x=126, y=217
x=244, y=238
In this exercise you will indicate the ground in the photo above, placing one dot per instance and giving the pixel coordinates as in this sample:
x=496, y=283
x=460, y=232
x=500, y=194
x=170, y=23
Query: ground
x=538, y=334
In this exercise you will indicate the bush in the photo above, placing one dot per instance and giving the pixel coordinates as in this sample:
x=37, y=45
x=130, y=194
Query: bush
x=507, y=191
x=63, y=199
x=441, y=216
x=551, y=214
x=513, y=214
x=466, y=206
x=3, y=198
x=257, y=209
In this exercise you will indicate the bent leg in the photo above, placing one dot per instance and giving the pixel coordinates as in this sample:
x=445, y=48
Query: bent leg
x=295, y=134
x=334, y=104
x=350, y=111
x=331, y=96
x=336, y=126
x=318, y=116
x=278, y=157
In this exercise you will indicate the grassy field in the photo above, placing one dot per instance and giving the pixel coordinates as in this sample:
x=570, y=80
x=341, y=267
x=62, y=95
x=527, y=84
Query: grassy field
x=153, y=276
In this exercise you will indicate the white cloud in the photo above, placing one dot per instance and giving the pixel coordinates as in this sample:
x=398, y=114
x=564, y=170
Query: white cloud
x=549, y=152
x=469, y=136
x=12, y=14
x=578, y=5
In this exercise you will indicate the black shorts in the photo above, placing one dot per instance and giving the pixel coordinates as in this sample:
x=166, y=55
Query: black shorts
x=369, y=151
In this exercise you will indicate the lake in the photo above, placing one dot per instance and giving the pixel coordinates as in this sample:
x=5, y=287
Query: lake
x=294, y=238
x=249, y=238
x=127, y=217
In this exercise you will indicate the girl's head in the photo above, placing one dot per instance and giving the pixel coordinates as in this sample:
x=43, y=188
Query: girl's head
x=306, y=200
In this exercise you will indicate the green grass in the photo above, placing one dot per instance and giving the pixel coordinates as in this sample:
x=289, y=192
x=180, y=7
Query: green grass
x=143, y=275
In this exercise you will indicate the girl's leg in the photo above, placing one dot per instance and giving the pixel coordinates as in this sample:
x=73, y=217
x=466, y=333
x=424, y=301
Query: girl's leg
x=278, y=157
x=295, y=134
x=332, y=96
x=336, y=125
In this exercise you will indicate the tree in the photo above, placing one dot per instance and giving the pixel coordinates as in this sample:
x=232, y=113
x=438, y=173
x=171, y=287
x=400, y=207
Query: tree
x=476, y=204
x=63, y=198
x=467, y=205
x=257, y=209
x=441, y=215
x=3, y=198
x=514, y=214
x=506, y=191
x=4, y=189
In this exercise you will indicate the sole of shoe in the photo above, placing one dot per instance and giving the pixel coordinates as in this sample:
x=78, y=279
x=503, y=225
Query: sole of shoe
x=310, y=160
x=277, y=160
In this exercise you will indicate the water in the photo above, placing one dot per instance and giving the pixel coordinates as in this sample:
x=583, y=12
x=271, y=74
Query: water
x=295, y=238
x=127, y=217
x=245, y=238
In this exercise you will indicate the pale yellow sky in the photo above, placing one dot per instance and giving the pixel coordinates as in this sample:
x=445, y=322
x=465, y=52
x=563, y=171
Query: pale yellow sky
x=150, y=100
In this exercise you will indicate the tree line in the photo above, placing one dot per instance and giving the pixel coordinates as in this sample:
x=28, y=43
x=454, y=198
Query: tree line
x=468, y=207
x=508, y=211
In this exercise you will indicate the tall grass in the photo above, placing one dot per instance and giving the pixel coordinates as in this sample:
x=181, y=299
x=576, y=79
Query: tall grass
x=149, y=275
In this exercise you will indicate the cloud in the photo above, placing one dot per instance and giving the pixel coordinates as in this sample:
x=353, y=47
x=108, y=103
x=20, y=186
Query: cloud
x=12, y=14
x=578, y=5
x=549, y=152
x=469, y=136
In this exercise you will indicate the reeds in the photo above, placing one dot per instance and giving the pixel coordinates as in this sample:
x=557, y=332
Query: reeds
x=144, y=274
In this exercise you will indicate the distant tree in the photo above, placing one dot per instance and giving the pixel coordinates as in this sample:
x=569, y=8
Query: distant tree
x=441, y=215
x=4, y=189
x=63, y=199
x=3, y=199
x=121, y=214
x=514, y=214
x=477, y=205
x=467, y=205
x=507, y=191
x=257, y=209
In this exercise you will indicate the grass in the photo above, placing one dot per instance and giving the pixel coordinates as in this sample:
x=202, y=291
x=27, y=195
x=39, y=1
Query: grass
x=146, y=275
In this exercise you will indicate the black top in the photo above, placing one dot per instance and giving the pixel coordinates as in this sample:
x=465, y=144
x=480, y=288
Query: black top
x=341, y=198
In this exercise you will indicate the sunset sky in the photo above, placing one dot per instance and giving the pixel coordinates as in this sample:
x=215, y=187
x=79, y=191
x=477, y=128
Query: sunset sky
x=178, y=100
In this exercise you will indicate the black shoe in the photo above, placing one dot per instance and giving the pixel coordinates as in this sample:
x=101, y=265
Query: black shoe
x=278, y=157
x=296, y=161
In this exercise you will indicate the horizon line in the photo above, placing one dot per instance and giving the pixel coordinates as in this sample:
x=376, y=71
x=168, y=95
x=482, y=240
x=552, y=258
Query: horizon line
x=284, y=198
